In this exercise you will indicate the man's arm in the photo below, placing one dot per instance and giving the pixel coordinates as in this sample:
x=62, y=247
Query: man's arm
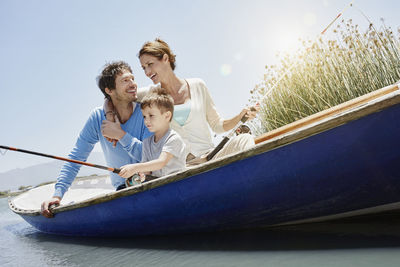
x=46, y=212
x=132, y=145
x=84, y=145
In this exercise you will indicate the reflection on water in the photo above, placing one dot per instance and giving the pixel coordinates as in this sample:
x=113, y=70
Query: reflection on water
x=367, y=241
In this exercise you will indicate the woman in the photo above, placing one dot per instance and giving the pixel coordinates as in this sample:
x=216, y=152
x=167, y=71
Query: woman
x=194, y=108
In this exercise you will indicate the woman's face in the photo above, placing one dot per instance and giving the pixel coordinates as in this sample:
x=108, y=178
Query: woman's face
x=154, y=68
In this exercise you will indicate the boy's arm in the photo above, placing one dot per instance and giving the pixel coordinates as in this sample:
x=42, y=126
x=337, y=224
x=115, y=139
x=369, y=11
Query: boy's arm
x=153, y=165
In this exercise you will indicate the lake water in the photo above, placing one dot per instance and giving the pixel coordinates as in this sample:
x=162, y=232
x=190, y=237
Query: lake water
x=372, y=241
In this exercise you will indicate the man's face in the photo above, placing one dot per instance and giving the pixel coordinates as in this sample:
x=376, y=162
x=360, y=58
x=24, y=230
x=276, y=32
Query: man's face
x=125, y=87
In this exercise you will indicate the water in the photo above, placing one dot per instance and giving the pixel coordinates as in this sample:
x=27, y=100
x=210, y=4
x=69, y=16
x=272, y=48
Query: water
x=372, y=241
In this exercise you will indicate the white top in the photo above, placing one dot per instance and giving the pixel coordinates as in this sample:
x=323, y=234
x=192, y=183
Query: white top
x=203, y=116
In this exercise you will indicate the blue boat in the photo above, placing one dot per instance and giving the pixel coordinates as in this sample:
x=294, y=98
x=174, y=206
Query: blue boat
x=338, y=163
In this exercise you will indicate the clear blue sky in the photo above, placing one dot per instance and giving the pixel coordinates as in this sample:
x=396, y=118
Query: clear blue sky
x=51, y=52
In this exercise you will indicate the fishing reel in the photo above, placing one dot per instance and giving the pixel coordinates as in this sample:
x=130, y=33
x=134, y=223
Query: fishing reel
x=135, y=180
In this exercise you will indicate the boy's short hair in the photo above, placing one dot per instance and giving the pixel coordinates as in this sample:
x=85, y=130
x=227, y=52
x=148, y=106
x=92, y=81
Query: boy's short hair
x=160, y=98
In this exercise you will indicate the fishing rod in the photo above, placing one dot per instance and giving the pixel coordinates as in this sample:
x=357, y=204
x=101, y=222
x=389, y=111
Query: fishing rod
x=245, y=118
x=114, y=170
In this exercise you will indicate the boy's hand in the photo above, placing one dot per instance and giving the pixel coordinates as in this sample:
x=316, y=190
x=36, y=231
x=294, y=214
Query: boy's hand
x=128, y=171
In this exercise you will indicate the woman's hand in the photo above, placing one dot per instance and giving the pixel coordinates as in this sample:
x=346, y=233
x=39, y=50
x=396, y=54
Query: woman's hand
x=246, y=114
x=251, y=112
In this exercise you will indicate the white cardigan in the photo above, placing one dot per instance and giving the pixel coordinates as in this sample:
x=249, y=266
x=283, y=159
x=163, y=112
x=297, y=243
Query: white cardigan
x=203, y=116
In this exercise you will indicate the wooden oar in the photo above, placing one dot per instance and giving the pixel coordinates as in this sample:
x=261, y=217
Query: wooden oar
x=114, y=170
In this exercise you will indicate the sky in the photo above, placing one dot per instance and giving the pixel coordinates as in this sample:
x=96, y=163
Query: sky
x=52, y=51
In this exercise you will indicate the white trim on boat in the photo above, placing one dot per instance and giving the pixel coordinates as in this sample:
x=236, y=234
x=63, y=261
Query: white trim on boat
x=372, y=210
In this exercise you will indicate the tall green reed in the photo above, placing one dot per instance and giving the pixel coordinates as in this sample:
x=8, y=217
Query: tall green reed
x=327, y=72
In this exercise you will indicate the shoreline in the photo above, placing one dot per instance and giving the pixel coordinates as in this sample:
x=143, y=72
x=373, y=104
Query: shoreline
x=9, y=193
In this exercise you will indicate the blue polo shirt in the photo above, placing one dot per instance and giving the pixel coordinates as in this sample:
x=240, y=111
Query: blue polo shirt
x=127, y=151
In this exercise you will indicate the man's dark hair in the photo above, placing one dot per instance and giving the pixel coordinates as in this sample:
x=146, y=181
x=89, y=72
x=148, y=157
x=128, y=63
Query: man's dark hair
x=110, y=71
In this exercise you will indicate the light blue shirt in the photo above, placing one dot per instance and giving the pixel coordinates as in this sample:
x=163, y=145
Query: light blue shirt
x=127, y=151
x=181, y=112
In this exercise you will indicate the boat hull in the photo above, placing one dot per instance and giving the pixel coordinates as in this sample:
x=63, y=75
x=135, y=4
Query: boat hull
x=345, y=169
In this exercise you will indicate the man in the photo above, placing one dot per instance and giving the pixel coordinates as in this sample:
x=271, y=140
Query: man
x=117, y=83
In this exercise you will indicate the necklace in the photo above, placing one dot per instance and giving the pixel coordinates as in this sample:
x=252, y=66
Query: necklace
x=182, y=95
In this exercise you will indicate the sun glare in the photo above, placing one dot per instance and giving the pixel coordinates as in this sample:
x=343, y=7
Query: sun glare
x=309, y=19
x=286, y=42
x=225, y=69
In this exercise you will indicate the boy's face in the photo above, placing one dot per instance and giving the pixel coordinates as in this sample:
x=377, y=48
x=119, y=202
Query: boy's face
x=155, y=120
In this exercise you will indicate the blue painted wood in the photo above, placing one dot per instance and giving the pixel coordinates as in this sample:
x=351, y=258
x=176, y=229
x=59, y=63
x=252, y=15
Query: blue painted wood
x=350, y=167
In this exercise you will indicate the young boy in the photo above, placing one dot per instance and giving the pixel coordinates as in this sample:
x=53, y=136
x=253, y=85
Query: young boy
x=164, y=152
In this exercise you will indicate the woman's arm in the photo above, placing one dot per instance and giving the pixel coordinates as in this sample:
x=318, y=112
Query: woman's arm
x=109, y=110
x=251, y=113
x=216, y=122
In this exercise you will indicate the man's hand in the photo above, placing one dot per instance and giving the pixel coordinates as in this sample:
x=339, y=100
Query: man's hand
x=45, y=211
x=112, y=130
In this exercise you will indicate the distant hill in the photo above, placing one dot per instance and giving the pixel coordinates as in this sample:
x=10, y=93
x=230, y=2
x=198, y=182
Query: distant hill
x=45, y=172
